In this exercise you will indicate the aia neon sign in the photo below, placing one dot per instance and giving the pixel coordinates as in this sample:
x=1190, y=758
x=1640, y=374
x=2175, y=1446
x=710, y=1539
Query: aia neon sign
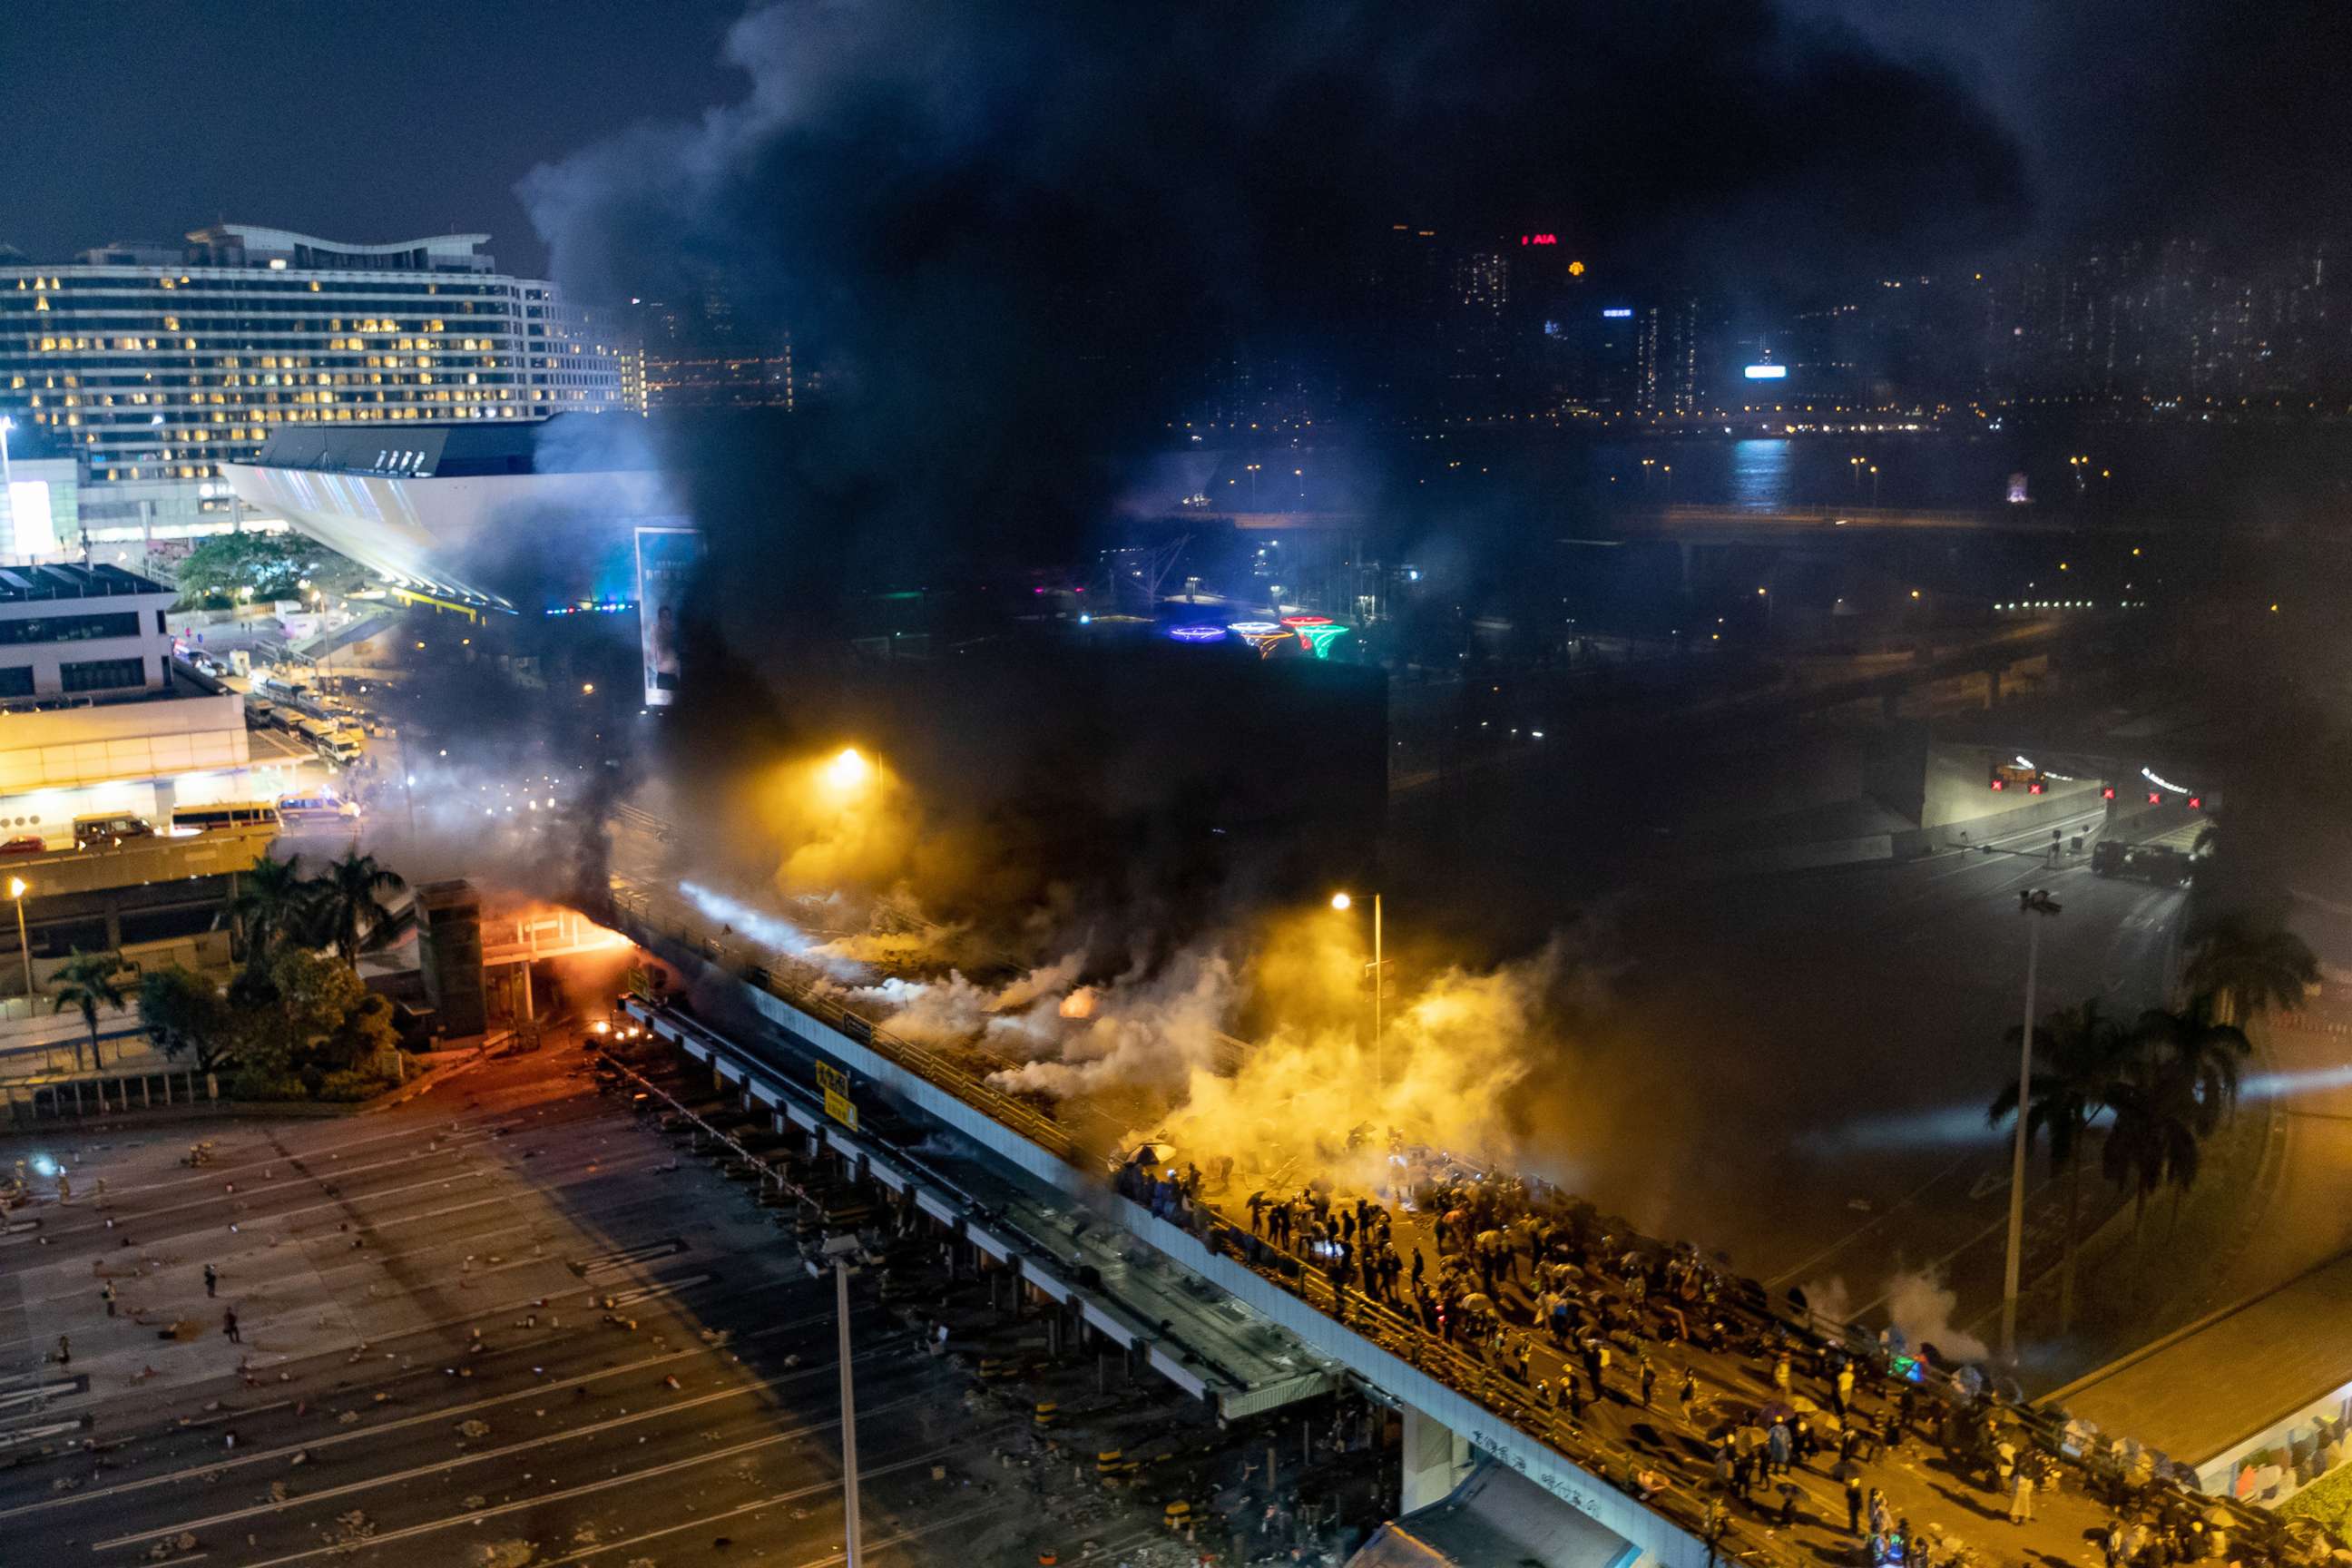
x=1538, y=239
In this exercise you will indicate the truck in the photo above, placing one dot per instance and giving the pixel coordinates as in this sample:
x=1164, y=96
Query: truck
x=2158, y=863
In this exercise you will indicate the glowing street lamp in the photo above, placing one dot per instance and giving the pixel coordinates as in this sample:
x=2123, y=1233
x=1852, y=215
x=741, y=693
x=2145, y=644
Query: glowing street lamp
x=1379, y=967
x=848, y=770
x=17, y=889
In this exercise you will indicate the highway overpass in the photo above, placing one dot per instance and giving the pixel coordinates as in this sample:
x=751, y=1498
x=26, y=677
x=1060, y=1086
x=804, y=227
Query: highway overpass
x=1237, y=1323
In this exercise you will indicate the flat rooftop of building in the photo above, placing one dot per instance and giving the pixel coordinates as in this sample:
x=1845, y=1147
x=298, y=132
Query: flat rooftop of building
x=65, y=580
x=567, y=444
x=2192, y=1394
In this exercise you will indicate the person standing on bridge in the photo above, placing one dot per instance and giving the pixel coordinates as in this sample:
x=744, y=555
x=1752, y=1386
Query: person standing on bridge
x=212, y=1280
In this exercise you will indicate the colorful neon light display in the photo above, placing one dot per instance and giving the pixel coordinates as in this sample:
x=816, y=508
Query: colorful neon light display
x=1305, y=620
x=1263, y=635
x=1317, y=640
x=1197, y=634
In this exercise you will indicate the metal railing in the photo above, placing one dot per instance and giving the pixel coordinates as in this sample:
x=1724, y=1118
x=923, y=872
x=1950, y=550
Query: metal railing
x=800, y=986
x=1611, y=1461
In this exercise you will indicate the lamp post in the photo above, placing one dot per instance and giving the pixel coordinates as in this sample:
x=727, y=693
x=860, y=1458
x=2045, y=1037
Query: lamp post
x=851, y=1543
x=7, y=479
x=1379, y=967
x=2037, y=902
x=17, y=889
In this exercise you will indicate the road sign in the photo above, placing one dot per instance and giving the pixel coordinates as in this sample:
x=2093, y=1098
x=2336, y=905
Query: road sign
x=837, y=1103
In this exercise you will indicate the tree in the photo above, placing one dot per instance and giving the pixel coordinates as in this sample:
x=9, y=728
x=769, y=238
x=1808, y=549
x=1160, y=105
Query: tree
x=320, y=1029
x=2195, y=1042
x=262, y=565
x=2251, y=963
x=2157, y=1137
x=275, y=903
x=2078, y=1052
x=88, y=981
x=347, y=905
x=182, y=1011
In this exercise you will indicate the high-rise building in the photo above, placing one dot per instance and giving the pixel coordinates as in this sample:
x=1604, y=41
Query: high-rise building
x=694, y=355
x=154, y=364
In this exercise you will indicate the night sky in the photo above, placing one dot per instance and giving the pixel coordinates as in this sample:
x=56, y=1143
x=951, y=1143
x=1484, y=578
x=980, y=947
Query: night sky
x=359, y=119
x=372, y=119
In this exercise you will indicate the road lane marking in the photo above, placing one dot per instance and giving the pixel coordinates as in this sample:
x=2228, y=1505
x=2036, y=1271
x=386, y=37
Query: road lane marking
x=350, y=1488
x=345, y=1549
x=335, y=1439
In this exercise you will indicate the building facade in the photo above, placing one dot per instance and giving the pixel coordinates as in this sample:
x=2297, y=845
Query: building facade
x=154, y=367
x=81, y=631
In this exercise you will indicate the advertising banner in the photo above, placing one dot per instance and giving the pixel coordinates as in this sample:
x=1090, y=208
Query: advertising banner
x=668, y=559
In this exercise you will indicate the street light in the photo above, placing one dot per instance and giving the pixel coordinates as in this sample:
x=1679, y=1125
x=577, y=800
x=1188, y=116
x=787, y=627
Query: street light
x=1379, y=967
x=17, y=889
x=2036, y=902
x=848, y=769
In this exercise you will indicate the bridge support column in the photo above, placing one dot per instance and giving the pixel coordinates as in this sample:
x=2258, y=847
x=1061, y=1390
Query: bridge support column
x=1437, y=1460
x=1992, y=688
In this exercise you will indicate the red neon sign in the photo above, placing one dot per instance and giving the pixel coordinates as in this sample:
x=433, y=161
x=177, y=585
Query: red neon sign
x=1538, y=239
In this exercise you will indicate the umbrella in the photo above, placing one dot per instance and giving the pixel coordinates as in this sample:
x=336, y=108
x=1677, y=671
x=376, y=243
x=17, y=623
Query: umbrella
x=1774, y=1410
x=1845, y=1470
x=1477, y=1301
x=1804, y=1406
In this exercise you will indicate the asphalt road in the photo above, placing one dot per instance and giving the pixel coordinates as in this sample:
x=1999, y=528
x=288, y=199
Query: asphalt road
x=1797, y=1067
x=426, y=1373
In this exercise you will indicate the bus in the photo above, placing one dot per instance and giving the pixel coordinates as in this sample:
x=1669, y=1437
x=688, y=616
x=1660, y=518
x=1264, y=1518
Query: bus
x=223, y=815
x=110, y=829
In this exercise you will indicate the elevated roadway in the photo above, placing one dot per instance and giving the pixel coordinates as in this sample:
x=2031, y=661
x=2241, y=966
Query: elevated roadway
x=1640, y=1475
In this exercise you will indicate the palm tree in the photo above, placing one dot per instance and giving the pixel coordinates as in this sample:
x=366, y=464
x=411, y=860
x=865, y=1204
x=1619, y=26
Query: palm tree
x=2082, y=1054
x=274, y=904
x=2157, y=1140
x=2206, y=1050
x=347, y=905
x=87, y=981
x=2251, y=964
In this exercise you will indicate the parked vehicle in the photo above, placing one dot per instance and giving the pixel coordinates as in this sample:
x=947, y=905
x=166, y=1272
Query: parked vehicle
x=110, y=829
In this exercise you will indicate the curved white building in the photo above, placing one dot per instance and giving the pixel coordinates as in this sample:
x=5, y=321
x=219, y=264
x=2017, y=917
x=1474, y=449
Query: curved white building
x=519, y=516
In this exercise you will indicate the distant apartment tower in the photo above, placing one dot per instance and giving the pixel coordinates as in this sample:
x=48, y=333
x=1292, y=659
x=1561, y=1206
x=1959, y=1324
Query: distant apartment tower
x=154, y=364
x=696, y=356
x=1623, y=357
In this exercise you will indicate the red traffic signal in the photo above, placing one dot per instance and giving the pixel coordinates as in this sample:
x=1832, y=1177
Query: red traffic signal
x=2196, y=802
x=1997, y=784
x=2154, y=798
x=2033, y=788
x=2108, y=793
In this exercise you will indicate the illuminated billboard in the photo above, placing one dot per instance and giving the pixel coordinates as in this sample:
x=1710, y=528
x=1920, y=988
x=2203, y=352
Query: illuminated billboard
x=666, y=561
x=1616, y=313
x=1767, y=373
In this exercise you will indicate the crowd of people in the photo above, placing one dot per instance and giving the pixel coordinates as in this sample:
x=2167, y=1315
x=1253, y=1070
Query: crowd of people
x=1563, y=1308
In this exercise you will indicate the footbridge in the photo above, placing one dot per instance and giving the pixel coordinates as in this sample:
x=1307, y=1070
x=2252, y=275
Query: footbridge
x=1233, y=1320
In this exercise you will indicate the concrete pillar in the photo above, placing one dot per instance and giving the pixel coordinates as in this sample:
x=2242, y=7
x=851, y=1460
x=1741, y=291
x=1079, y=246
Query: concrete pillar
x=1437, y=1460
x=1992, y=688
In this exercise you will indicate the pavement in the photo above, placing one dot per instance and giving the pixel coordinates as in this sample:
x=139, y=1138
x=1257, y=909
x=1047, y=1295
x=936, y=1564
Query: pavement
x=429, y=1365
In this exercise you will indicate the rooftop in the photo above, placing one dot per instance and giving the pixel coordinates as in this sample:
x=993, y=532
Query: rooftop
x=20, y=585
x=565, y=444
